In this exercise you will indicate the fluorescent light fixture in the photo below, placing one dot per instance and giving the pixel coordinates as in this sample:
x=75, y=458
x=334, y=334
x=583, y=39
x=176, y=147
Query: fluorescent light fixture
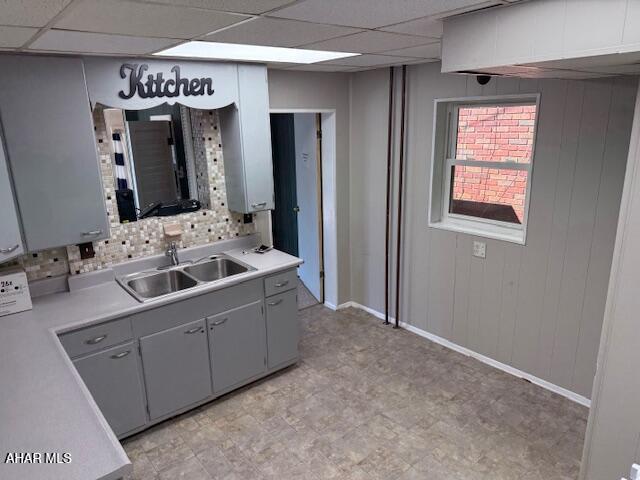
x=250, y=53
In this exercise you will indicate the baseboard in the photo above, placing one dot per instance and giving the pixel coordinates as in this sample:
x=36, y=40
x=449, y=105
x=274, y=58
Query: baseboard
x=482, y=358
x=346, y=305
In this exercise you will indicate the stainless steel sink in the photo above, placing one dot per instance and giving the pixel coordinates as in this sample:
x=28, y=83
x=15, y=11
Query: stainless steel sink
x=155, y=284
x=215, y=269
x=151, y=284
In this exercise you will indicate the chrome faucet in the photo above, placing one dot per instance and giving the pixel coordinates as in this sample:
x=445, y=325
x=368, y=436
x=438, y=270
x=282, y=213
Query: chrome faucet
x=172, y=253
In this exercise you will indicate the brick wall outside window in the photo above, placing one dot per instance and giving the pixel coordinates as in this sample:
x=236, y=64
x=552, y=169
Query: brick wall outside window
x=497, y=134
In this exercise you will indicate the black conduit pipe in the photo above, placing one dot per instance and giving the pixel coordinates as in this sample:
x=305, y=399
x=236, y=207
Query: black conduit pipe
x=388, y=214
x=400, y=191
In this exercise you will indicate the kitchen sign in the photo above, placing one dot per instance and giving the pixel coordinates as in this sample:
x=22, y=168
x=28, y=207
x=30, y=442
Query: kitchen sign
x=155, y=85
x=138, y=84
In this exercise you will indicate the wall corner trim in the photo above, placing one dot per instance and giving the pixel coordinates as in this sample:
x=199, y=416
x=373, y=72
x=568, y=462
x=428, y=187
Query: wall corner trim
x=579, y=399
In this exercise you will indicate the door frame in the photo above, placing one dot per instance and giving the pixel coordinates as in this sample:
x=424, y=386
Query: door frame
x=327, y=207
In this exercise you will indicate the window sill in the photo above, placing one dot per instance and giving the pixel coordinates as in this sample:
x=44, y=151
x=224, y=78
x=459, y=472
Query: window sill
x=477, y=229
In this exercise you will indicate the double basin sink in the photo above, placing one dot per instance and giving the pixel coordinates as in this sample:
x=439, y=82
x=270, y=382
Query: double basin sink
x=147, y=285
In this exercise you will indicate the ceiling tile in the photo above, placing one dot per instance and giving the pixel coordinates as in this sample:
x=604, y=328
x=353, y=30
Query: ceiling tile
x=321, y=67
x=144, y=19
x=367, y=61
x=238, y=6
x=30, y=13
x=431, y=50
x=427, y=27
x=82, y=42
x=14, y=37
x=368, y=42
x=370, y=13
x=278, y=32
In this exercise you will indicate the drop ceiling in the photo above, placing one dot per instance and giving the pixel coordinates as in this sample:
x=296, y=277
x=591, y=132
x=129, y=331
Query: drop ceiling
x=386, y=32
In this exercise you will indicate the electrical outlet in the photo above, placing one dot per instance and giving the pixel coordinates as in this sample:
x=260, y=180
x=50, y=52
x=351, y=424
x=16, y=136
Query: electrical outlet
x=479, y=249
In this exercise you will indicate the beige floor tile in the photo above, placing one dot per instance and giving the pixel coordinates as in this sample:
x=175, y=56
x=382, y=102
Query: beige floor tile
x=369, y=402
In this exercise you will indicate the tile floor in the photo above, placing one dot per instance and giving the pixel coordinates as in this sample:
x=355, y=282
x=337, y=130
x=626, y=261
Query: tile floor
x=305, y=297
x=369, y=402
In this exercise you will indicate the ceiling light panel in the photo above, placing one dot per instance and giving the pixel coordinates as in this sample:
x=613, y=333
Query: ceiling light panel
x=144, y=19
x=369, y=42
x=250, y=53
x=278, y=32
x=30, y=13
x=369, y=13
x=83, y=42
x=368, y=61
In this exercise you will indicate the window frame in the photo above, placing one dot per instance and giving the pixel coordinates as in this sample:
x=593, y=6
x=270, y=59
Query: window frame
x=445, y=133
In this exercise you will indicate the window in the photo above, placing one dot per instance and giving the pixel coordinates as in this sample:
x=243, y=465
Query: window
x=482, y=161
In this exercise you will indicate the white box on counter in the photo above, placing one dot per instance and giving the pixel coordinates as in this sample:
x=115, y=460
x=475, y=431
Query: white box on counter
x=14, y=292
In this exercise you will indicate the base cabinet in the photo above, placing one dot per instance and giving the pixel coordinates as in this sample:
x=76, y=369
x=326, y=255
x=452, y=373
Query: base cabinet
x=144, y=368
x=176, y=368
x=237, y=346
x=114, y=380
x=282, y=328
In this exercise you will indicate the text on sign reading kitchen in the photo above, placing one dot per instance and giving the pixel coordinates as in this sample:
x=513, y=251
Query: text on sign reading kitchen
x=152, y=86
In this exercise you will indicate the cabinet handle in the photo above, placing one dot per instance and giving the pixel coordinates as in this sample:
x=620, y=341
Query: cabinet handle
x=91, y=233
x=121, y=354
x=282, y=284
x=273, y=304
x=220, y=322
x=9, y=249
x=93, y=341
x=260, y=204
x=193, y=330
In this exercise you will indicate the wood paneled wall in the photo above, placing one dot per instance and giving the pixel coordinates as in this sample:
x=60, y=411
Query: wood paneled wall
x=537, y=307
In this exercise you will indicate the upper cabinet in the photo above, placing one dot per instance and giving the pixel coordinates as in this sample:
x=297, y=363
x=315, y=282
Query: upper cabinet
x=50, y=144
x=10, y=239
x=246, y=138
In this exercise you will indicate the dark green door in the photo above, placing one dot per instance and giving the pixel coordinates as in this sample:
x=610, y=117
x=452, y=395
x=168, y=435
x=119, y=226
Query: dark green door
x=284, y=217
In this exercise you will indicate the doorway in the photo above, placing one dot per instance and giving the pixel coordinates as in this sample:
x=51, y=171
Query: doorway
x=297, y=220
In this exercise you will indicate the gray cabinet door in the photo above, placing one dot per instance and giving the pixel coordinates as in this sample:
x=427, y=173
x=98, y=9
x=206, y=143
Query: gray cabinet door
x=256, y=135
x=114, y=380
x=176, y=368
x=237, y=346
x=282, y=328
x=50, y=143
x=10, y=238
x=246, y=139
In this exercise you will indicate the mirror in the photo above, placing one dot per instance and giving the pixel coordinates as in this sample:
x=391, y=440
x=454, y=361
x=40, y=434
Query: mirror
x=154, y=165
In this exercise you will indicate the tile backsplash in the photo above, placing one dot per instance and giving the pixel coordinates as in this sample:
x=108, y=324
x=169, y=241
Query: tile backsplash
x=146, y=237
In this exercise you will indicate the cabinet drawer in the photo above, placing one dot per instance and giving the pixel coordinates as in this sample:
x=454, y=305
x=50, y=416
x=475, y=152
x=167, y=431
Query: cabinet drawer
x=96, y=338
x=280, y=282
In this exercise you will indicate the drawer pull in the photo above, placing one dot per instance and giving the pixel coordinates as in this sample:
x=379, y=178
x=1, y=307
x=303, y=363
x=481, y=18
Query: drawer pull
x=93, y=341
x=282, y=284
x=193, y=330
x=9, y=249
x=220, y=322
x=260, y=204
x=273, y=304
x=121, y=354
x=91, y=233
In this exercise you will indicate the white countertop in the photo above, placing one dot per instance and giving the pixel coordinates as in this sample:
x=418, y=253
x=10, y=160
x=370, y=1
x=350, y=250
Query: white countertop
x=44, y=405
